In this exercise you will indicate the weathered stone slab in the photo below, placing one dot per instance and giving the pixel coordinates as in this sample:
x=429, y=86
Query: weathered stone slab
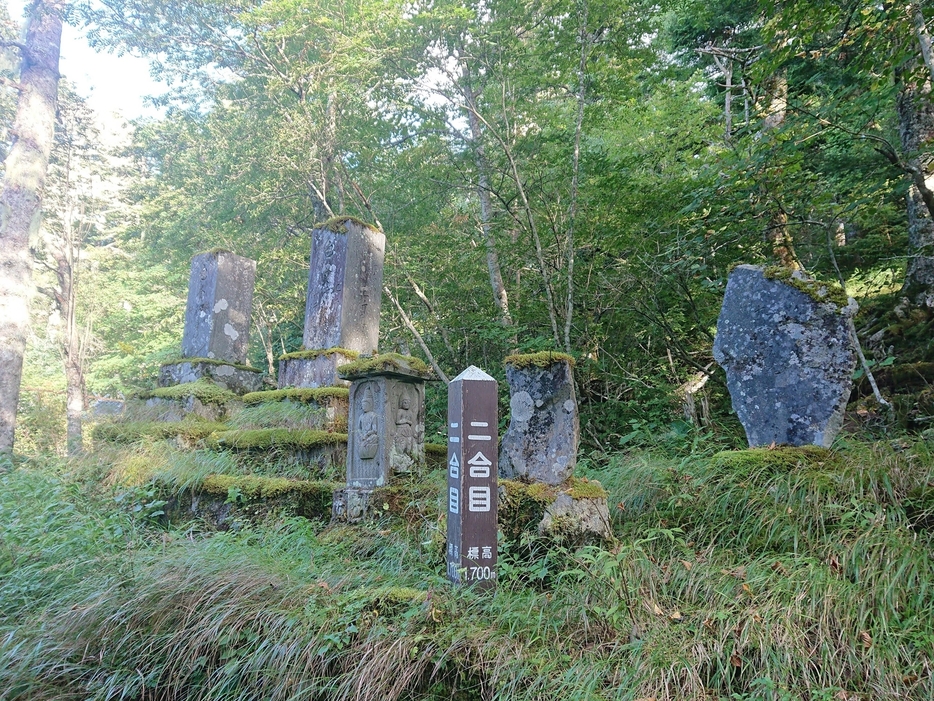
x=351, y=504
x=345, y=283
x=386, y=428
x=177, y=409
x=236, y=379
x=784, y=342
x=544, y=428
x=220, y=302
x=567, y=516
x=315, y=370
x=472, y=495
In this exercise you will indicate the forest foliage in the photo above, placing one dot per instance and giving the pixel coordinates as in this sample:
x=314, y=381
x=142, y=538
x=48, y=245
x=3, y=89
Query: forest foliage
x=576, y=178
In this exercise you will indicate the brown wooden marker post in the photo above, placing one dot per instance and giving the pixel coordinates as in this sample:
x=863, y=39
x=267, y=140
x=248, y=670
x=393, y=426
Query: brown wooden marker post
x=472, y=478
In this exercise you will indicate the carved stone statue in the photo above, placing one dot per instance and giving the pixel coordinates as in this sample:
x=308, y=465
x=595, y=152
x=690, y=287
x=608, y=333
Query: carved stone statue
x=367, y=433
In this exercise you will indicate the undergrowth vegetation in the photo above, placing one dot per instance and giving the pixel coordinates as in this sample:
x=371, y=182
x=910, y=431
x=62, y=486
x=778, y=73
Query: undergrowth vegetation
x=730, y=576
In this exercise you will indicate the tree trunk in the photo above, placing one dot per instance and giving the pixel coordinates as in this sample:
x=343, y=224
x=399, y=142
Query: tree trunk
x=916, y=131
x=486, y=205
x=21, y=199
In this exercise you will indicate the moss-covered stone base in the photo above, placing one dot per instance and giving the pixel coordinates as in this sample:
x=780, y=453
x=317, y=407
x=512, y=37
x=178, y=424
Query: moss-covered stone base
x=189, y=433
x=225, y=501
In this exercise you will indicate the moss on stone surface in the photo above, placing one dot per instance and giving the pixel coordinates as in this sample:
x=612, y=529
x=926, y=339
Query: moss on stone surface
x=778, y=459
x=823, y=292
x=264, y=438
x=133, y=431
x=542, y=359
x=254, y=487
x=318, y=352
x=386, y=362
x=583, y=488
x=306, y=395
x=204, y=390
x=338, y=224
x=211, y=361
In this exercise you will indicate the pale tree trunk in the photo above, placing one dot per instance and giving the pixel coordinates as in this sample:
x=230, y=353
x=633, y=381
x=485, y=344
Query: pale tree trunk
x=584, y=35
x=67, y=259
x=916, y=131
x=778, y=234
x=21, y=198
x=924, y=38
x=486, y=205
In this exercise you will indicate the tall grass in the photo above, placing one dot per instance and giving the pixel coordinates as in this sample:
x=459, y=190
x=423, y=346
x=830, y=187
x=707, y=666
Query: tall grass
x=810, y=582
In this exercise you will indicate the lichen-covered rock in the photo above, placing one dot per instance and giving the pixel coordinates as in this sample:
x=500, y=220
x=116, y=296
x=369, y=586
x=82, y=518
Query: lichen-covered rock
x=544, y=429
x=784, y=343
x=220, y=302
x=570, y=517
x=345, y=286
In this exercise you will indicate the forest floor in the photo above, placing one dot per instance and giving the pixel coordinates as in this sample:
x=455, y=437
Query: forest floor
x=731, y=575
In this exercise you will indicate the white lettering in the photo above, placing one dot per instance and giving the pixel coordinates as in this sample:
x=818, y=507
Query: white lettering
x=478, y=499
x=454, y=500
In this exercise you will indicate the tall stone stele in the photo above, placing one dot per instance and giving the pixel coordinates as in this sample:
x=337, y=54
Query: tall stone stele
x=541, y=442
x=784, y=341
x=345, y=283
x=217, y=324
x=386, y=427
x=540, y=445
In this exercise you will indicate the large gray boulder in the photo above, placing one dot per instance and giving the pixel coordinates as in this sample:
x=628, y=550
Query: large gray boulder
x=784, y=342
x=541, y=442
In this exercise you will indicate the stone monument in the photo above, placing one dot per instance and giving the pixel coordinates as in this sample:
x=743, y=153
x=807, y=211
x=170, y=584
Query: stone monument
x=345, y=282
x=472, y=494
x=541, y=442
x=784, y=341
x=217, y=324
x=386, y=426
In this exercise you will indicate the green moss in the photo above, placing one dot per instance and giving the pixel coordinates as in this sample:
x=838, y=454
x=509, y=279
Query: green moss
x=134, y=431
x=583, y=488
x=338, y=224
x=825, y=292
x=436, y=450
x=542, y=359
x=211, y=361
x=779, y=459
x=522, y=506
x=306, y=395
x=204, y=390
x=387, y=362
x=253, y=487
x=264, y=438
x=317, y=353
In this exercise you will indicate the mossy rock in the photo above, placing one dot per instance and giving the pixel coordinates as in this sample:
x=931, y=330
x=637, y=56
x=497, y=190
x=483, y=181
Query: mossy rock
x=740, y=463
x=583, y=488
x=222, y=501
x=436, y=455
x=318, y=352
x=386, y=362
x=522, y=507
x=136, y=431
x=212, y=361
x=542, y=359
x=338, y=224
x=319, y=395
x=267, y=438
x=823, y=292
x=204, y=390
